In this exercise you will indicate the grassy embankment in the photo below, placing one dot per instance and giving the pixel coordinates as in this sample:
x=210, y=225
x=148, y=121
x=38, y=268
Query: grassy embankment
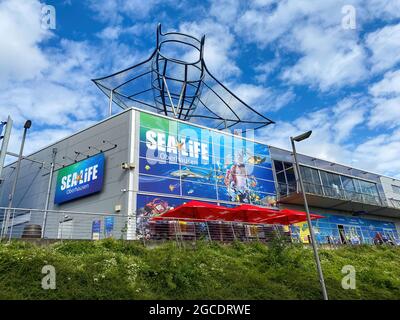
x=120, y=270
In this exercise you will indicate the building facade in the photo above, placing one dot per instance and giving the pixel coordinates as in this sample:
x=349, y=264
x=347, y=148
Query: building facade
x=112, y=177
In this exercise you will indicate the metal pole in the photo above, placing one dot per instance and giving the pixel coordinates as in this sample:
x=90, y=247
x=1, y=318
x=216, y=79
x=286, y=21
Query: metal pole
x=46, y=206
x=11, y=197
x=110, y=103
x=4, y=144
x=310, y=227
x=12, y=225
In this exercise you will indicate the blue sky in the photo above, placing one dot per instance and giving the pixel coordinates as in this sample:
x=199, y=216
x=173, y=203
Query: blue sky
x=293, y=60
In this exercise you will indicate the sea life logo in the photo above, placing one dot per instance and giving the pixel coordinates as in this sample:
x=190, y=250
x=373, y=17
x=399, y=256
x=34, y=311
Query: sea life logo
x=80, y=179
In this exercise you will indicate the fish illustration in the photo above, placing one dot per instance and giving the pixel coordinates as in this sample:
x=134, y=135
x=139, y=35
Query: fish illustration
x=256, y=160
x=172, y=187
x=190, y=191
x=187, y=173
x=147, y=167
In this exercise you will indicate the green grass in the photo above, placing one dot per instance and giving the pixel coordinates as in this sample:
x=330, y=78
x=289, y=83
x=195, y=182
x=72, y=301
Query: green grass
x=112, y=269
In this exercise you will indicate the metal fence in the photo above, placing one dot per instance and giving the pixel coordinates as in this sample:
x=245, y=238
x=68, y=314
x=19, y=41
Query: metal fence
x=21, y=223
x=61, y=225
x=55, y=224
x=222, y=231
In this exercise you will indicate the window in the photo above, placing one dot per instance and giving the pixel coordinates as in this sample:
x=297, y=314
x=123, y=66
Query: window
x=348, y=183
x=396, y=189
x=285, y=176
x=368, y=188
x=278, y=165
x=311, y=180
x=332, y=184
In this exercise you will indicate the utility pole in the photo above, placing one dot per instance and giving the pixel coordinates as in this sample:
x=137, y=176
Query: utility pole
x=310, y=227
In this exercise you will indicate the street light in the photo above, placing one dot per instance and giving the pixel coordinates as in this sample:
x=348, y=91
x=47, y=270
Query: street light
x=27, y=125
x=310, y=227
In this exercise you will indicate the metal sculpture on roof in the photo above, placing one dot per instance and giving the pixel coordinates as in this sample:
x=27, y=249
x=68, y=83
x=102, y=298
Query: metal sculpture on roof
x=174, y=81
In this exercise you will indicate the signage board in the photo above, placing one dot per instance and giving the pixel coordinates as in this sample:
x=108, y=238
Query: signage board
x=96, y=226
x=179, y=161
x=80, y=179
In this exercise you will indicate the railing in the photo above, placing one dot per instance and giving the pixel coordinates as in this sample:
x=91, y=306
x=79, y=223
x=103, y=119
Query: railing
x=331, y=192
x=222, y=231
x=55, y=224
x=62, y=225
x=23, y=223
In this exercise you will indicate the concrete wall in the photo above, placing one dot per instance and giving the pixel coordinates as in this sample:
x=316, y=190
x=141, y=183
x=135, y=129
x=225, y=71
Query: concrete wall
x=387, y=184
x=33, y=178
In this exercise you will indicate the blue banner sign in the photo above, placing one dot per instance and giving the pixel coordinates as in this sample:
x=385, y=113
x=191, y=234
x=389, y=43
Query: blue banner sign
x=80, y=179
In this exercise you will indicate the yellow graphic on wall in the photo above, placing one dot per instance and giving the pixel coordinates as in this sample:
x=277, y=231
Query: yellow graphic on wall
x=301, y=230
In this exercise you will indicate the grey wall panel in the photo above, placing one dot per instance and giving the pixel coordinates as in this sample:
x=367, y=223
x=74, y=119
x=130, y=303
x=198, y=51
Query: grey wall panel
x=387, y=184
x=33, y=178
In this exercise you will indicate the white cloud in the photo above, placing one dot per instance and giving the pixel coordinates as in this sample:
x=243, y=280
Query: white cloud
x=386, y=99
x=333, y=130
x=385, y=113
x=263, y=70
x=331, y=58
x=225, y=11
x=385, y=48
x=219, y=46
x=20, y=33
x=115, y=11
x=347, y=115
x=380, y=154
x=51, y=85
x=263, y=99
x=388, y=86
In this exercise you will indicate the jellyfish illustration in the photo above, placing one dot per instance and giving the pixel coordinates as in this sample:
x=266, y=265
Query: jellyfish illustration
x=174, y=81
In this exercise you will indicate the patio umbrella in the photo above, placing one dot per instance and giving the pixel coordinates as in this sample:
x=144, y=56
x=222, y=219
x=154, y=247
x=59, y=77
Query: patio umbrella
x=250, y=214
x=288, y=216
x=195, y=211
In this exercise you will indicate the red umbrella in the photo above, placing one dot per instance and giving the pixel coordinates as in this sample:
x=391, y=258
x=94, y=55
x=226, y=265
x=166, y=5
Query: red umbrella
x=288, y=216
x=195, y=211
x=250, y=213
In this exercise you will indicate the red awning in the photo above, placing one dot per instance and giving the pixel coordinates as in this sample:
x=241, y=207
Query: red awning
x=288, y=217
x=195, y=211
x=246, y=213
x=251, y=214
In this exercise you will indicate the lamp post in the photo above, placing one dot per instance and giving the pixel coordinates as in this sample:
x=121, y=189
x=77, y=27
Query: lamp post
x=299, y=138
x=27, y=125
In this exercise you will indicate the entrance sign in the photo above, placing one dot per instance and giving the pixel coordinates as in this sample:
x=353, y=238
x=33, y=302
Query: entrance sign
x=80, y=179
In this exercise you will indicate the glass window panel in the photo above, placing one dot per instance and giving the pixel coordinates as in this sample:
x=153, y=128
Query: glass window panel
x=288, y=165
x=278, y=166
x=281, y=177
x=310, y=175
x=348, y=184
x=290, y=176
x=368, y=188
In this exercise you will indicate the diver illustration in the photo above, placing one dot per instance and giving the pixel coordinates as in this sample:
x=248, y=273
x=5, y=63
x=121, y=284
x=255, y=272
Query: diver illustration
x=175, y=81
x=239, y=182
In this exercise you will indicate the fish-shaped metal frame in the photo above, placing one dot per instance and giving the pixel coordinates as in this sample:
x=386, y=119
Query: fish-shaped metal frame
x=181, y=87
